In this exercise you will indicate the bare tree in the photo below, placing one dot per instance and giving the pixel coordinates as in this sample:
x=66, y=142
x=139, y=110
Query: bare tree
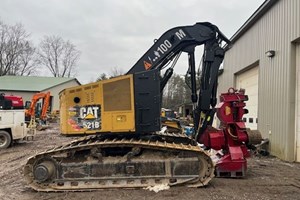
x=16, y=51
x=59, y=56
x=115, y=71
x=102, y=76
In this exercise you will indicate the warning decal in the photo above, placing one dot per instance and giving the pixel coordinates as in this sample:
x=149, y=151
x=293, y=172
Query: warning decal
x=147, y=65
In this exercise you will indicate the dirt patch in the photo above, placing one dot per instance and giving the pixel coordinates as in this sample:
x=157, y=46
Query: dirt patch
x=267, y=178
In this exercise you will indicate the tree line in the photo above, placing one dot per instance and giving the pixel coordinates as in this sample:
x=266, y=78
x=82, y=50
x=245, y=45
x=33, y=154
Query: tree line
x=176, y=92
x=19, y=56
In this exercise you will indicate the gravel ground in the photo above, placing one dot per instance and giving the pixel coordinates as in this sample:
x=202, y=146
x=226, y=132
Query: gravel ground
x=267, y=178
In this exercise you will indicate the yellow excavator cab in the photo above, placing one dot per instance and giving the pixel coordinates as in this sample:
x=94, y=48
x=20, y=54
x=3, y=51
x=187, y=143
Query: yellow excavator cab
x=103, y=106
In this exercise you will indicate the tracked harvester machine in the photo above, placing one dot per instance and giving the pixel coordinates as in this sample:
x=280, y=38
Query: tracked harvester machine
x=126, y=148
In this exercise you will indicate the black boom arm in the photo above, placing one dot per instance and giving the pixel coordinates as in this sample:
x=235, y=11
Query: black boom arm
x=185, y=39
x=173, y=42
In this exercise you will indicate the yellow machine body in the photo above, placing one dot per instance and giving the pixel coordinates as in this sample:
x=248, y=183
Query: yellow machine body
x=103, y=106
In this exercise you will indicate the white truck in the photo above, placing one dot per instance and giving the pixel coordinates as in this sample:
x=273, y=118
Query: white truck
x=13, y=127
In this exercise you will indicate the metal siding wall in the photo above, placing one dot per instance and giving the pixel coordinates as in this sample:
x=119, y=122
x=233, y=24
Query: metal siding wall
x=276, y=108
x=56, y=90
x=297, y=128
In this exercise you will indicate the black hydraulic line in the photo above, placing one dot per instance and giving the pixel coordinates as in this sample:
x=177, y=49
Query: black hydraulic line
x=165, y=79
x=192, y=68
x=168, y=74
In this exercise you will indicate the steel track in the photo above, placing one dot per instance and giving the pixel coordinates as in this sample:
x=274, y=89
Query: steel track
x=83, y=164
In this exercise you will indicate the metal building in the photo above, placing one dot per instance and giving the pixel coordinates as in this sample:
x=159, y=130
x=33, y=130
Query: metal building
x=264, y=58
x=27, y=86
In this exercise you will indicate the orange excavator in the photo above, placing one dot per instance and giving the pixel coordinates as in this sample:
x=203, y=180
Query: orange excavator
x=37, y=120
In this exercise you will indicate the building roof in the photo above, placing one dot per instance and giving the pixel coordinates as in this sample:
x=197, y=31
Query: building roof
x=31, y=83
x=264, y=7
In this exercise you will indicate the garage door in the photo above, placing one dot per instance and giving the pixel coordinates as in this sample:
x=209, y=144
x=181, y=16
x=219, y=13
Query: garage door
x=248, y=80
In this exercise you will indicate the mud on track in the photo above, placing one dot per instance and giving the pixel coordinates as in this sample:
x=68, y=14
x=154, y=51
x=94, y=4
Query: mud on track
x=267, y=178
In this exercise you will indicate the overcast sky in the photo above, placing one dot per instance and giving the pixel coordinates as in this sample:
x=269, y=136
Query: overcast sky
x=116, y=33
